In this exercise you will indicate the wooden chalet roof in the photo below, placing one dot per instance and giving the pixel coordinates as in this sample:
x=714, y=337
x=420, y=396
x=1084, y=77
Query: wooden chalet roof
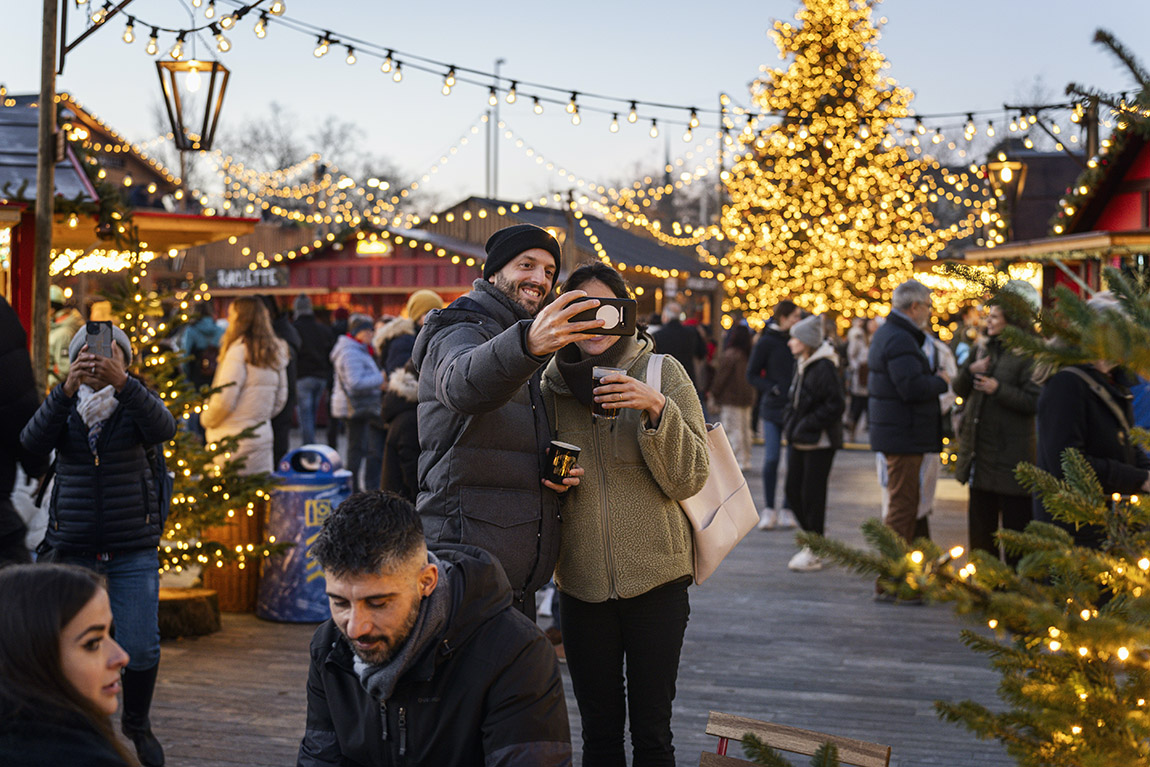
x=19, y=136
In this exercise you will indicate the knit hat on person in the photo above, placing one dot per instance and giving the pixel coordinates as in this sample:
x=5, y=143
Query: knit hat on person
x=510, y=241
x=421, y=302
x=81, y=337
x=302, y=306
x=359, y=325
x=56, y=296
x=809, y=330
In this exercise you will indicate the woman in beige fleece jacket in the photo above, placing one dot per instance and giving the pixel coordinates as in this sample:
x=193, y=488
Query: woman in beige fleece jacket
x=625, y=545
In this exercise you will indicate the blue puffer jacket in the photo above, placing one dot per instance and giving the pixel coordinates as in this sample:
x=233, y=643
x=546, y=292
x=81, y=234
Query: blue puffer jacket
x=105, y=501
x=903, y=410
x=356, y=386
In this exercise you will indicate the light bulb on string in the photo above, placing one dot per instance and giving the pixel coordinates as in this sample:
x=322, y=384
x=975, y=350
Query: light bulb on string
x=572, y=107
x=388, y=63
x=575, y=118
x=919, y=128
x=537, y=107
x=177, y=51
x=398, y=75
x=654, y=128
x=210, y=11
x=278, y=8
x=261, y=27
x=694, y=121
x=492, y=96
x=511, y=92
x=687, y=135
x=193, y=81
x=130, y=31
x=449, y=78
x=81, y=3
x=990, y=128
x=633, y=115
x=99, y=16
x=615, y=123
x=223, y=44
x=153, y=46
x=321, y=46
x=350, y=56
x=969, y=130
x=227, y=22
x=937, y=137
x=197, y=3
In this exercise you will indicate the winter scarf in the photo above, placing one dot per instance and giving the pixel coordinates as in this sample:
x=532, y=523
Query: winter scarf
x=380, y=680
x=95, y=407
x=576, y=369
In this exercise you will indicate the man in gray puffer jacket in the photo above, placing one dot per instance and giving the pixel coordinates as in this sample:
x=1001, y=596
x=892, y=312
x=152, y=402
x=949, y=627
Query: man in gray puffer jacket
x=483, y=430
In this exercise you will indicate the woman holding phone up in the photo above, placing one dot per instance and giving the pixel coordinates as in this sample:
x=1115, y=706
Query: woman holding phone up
x=104, y=512
x=625, y=545
x=59, y=669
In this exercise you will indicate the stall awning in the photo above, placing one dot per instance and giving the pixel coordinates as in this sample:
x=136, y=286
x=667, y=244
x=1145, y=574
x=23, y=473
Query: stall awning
x=1069, y=247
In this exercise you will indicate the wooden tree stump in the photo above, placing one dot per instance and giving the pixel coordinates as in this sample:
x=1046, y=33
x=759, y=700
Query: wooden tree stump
x=188, y=612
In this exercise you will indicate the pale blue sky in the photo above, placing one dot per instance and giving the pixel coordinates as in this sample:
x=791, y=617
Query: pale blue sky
x=956, y=56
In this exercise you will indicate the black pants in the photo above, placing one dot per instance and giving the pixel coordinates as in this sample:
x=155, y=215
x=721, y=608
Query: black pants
x=642, y=635
x=807, y=475
x=983, y=517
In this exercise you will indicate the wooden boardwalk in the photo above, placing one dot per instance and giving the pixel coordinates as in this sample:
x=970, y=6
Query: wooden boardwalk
x=810, y=650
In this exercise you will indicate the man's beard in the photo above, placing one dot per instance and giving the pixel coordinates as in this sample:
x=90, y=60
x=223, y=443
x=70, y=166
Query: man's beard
x=511, y=290
x=391, y=643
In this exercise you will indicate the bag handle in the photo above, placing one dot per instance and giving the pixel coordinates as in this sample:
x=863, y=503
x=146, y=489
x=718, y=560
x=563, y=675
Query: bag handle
x=1102, y=395
x=655, y=372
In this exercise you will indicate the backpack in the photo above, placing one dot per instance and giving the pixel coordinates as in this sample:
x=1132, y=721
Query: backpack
x=165, y=480
x=204, y=364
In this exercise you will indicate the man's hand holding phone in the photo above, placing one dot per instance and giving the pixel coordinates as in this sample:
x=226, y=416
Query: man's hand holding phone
x=555, y=326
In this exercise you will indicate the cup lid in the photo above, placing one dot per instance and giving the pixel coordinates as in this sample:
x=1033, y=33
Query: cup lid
x=566, y=445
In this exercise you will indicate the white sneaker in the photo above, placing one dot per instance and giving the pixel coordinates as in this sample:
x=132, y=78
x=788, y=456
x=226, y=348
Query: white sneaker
x=805, y=561
x=768, y=518
x=787, y=519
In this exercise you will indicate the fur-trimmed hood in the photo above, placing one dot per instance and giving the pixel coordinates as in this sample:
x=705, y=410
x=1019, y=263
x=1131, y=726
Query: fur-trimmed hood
x=398, y=327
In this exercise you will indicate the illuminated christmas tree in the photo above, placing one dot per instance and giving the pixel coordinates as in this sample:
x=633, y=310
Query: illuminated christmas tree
x=1068, y=628
x=826, y=205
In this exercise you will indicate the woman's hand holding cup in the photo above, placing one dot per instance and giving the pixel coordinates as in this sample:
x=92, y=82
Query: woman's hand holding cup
x=619, y=390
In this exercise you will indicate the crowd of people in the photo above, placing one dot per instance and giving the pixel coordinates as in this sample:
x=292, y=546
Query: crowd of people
x=447, y=417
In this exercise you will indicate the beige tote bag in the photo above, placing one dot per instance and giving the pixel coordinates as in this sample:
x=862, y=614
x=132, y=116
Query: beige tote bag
x=723, y=511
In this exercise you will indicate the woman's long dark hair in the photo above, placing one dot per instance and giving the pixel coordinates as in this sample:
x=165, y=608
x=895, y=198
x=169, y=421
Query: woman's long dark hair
x=739, y=337
x=36, y=603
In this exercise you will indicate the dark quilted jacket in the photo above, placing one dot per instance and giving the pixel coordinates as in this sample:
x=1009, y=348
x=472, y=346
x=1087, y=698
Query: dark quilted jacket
x=106, y=501
x=483, y=431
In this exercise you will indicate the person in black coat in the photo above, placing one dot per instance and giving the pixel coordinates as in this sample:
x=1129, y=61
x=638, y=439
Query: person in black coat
x=401, y=450
x=313, y=365
x=684, y=343
x=105, y=511
x=813, y=428
x=59, y=669
x=18, y=401
x=445, y=672
x=902, y=410
x=770, y=369
x=1088, y=407
x=282, y=421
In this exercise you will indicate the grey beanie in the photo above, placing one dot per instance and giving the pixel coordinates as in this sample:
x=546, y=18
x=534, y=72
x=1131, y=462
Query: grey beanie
x=809, y=330
x=302, y=306
x=81, y=337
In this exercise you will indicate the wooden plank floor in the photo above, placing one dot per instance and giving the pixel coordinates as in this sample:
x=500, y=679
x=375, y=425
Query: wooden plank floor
x=810, y=650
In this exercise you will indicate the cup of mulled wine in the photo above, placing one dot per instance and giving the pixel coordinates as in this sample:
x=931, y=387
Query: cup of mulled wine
x=561, y=459
x=598, y=374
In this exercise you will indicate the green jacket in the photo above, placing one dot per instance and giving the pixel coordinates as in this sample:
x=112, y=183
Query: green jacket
x=623, y=532
x=997, y=430
x=64, y=326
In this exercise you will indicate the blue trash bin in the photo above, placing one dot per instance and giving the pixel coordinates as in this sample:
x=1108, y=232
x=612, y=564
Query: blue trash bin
x=312, y=484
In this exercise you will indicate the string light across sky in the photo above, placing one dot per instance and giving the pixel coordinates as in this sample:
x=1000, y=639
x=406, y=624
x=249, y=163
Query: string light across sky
x=956, y=57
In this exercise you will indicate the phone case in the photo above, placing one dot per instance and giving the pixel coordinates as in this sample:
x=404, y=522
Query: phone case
x=618, y=313
x=99, y=338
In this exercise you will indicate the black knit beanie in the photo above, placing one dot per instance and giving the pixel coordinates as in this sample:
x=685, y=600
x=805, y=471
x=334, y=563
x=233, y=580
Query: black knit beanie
x=510, y=241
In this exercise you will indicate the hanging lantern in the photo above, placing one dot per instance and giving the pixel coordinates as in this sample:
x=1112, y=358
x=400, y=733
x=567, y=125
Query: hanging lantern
x=180, y=79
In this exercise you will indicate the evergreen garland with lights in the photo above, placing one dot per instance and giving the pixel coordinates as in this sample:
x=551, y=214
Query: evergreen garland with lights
x=1070, y=625
x=209, y=490
x=825, y=206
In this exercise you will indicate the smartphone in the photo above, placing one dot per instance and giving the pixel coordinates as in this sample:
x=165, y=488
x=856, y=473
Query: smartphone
x=618, y=314
x=99, y=338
